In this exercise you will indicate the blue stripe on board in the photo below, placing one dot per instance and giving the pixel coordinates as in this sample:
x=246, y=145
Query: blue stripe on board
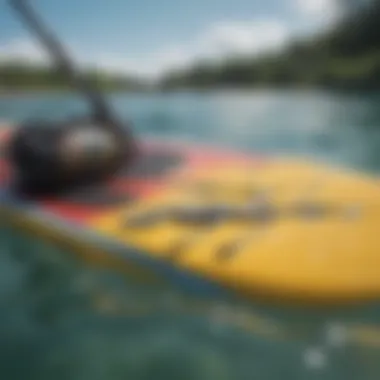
x=188, y=282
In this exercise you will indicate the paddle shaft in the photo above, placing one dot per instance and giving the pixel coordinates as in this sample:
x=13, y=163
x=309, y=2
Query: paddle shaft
x=57, y=52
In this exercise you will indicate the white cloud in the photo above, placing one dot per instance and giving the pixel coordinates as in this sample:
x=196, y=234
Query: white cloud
x=216, y=42
x=247, y=37
x=324, y=11
x=222, y=39
x=22, y=49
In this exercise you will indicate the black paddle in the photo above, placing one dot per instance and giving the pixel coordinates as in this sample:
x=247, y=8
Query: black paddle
x=54, y=47
x=30, y=153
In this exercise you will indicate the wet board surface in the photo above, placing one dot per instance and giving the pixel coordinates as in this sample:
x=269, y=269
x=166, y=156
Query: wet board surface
x=220, y=222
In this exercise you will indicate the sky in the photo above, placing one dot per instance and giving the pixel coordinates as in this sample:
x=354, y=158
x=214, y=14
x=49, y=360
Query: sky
x=148, y=37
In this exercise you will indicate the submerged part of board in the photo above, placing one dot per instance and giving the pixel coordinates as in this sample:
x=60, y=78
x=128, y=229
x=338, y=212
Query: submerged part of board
x=280, y=229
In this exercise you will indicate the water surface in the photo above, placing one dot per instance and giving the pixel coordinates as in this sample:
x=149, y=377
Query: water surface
x=62, y=320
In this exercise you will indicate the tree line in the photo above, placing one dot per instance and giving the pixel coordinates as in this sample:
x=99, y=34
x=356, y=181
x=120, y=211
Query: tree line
x=16, y=75
x=345, y=57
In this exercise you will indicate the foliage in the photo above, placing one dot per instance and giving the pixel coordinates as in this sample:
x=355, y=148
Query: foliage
x=346, y=56
x=16, y=75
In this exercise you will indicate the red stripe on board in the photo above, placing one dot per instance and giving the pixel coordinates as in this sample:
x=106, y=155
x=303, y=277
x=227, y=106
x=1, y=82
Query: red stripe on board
x=138, y=188
x=5, y=172
x=79, y=213
x=71, y=212
x=211, y=159
x=204, y=153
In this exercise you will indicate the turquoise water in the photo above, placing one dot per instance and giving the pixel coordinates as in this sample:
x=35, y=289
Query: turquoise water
x=60, y=319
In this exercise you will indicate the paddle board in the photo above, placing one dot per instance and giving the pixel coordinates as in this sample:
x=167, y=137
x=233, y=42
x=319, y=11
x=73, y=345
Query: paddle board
x=220, y=224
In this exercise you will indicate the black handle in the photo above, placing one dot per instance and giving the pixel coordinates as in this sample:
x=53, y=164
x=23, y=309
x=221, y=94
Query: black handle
x=57, y=52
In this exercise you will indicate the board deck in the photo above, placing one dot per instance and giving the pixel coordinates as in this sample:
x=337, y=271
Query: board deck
x=222, y=223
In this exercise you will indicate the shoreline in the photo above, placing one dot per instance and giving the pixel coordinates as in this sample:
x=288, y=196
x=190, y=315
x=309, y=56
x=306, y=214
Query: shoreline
x=16, y=94
x=10, y=94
